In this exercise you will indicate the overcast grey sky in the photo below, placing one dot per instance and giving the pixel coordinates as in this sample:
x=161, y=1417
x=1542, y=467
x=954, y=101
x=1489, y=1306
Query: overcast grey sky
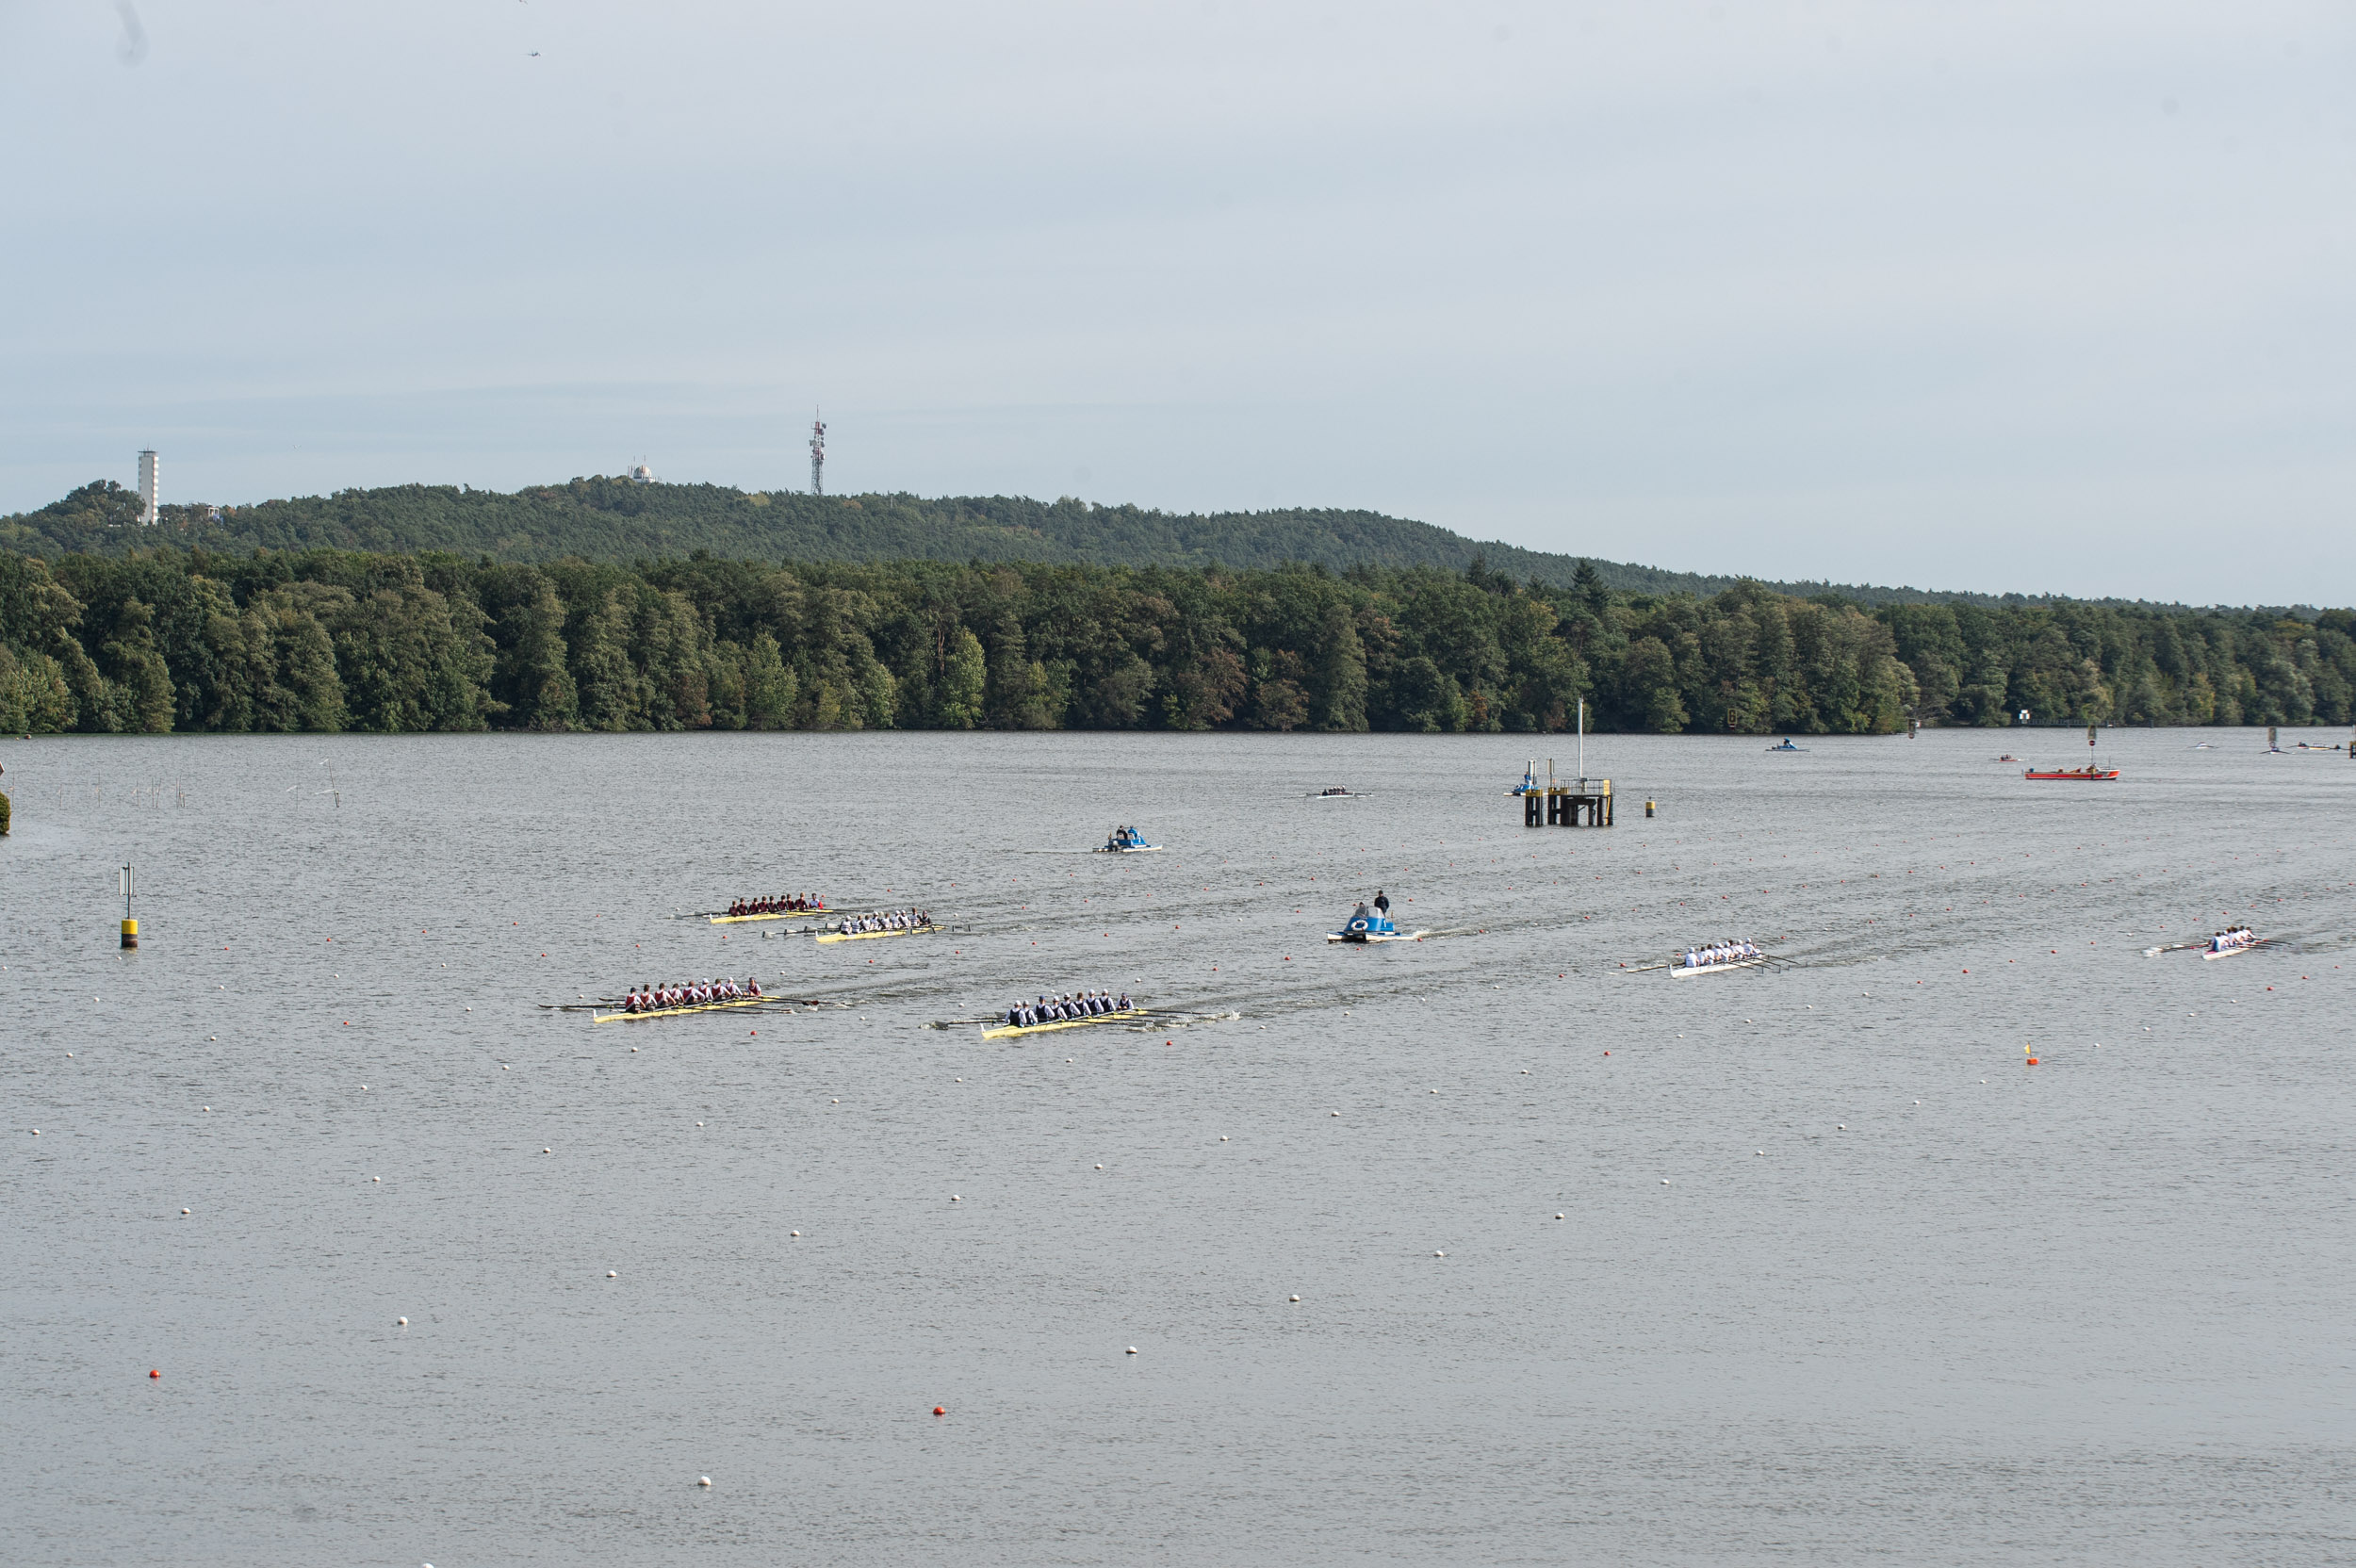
x=1994, y=296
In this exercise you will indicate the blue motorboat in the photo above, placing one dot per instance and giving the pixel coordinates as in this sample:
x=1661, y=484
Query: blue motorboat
x=1787, y=745
x=1367, y=925
x=1127, y=841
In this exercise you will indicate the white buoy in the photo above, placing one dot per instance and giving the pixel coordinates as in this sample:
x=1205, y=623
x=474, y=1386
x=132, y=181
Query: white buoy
x=955, y=1198
x=1222, y=1137
x=1664, y=1181
x=703, y=1481
x=699, y=1124
x=1557, y=1216
x=611, y=1275
x=1439, y=1254
x=184, y=1210
x=1295, y=1298
x=1337, y=1113
x=794, y=1233
x=376, y=1178
x=548, y=1150
x=401, y=1322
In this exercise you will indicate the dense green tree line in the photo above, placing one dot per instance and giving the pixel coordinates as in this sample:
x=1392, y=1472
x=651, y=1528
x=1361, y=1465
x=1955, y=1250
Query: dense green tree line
x=612, y=519
x=329, y=640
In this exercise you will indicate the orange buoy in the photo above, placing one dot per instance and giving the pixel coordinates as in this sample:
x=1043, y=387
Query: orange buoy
x=152, y=1373
x=941, y=1409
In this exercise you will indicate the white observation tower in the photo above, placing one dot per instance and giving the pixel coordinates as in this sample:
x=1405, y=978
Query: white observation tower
x=148, y=487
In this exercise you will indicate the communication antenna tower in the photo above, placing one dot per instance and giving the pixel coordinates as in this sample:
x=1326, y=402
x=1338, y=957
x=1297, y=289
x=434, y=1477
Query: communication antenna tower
x=817, y=454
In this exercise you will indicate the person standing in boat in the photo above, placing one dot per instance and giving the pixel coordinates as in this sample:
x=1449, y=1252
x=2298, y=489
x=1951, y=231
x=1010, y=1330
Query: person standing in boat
x=1381, y=904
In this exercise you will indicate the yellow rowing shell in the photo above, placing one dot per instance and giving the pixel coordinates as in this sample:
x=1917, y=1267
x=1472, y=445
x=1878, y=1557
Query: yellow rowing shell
x=782, y=914
x=1004, y=1033
x=862, y=935
x=676, y=1012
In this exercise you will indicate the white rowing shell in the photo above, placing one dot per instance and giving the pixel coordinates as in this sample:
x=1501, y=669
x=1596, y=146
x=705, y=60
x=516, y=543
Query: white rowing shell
x=1681, y=972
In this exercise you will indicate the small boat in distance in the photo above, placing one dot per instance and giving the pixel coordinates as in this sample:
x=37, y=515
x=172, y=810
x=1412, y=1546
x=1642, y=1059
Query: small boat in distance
x=1127, y=841
x=1529, y=781
x=1337, y=792
x=2007, y=756
x=2090, y=772
x=1787, y=745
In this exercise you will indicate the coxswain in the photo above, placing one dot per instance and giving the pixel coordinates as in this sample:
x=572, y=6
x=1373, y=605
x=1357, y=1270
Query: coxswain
x=1125, y=1004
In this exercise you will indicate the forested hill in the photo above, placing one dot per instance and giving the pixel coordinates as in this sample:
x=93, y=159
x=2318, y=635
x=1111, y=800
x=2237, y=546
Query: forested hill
x=326, y=640
x=614, y=520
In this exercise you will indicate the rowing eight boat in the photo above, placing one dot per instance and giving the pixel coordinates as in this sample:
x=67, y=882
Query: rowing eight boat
x=862, y=935
x=1008, y=1031
x=1681, y=971
x=775, y=914
x=697, y=1008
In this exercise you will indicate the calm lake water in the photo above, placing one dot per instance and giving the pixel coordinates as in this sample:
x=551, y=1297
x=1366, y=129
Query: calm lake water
x=1796, y=1266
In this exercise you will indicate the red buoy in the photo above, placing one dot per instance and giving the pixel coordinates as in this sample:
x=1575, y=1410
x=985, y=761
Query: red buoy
x=152, y=1373
x=941, y=1409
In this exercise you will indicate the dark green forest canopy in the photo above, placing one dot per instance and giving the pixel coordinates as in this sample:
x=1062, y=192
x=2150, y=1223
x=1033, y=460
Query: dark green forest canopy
x=612, y=519
x=322, y=640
